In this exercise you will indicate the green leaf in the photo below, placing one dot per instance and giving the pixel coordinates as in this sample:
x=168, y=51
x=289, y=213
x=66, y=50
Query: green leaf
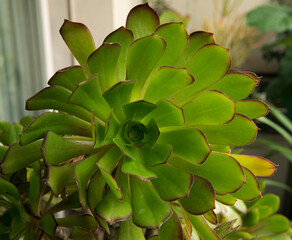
x=196, y=41
x=138, y=110
x=211, y=217
x=55, y=97
x=8, y=188
x=137, y=168
x=68, y=77
x=252, y=108
x=88, y=95
x=148, y=208
x=25, y=121
x=270, y=200
x=28, y=154
x=209, y=108
x=176, y=38
x=110, y=160
x=201, y=198
x=189, y=144
x=112, y=209
x=56, y=122
x=202, y=228
x=273, y=17
x=251, y=218
x=171, y=229
x=158, y=154
x=111, y=182
x=273, y=225
x=235, y=85
x=226, y=199
x=103, y=61
x=225, y=178
x=171, y=183
x=118, y=95
x=166, y=114
x=111, y=129
x=165, y=82
x=250, y=190
x=240, y=131
x=209, y=64
x=48, y=224
x=82, y=221
x=79, y=234
x=13, y=133
x=240, y=235
x=142, y=20
x=79, y=40
x=259, y=166
x=220, y=148
x=35, y=187
x=3, y=150
x=143, y=55
x=83, y=172
x=128, y=230
x=60, y=176
x=57, y=149
x=124, y=37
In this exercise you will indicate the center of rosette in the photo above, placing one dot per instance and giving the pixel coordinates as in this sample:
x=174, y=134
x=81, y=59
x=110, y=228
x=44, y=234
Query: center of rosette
x=134, y=132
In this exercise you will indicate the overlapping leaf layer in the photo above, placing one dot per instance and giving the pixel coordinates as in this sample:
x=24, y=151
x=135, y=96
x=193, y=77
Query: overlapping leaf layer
x=140, y=134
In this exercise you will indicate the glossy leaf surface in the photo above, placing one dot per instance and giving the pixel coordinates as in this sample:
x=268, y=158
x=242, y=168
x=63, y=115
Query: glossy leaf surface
x=252, y=108
x=171, y=229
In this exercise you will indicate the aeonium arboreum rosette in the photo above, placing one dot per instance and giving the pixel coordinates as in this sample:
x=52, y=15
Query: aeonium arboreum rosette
x=143, y=130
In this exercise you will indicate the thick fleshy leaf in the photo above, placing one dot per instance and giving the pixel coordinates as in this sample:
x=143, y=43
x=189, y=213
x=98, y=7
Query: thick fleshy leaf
x=143, y=55
x=78, y=234
x=138, y=110
x=166, y=114
x=166, y=81
x=8, y=188
x=226, y=199
x=240, y=131
x=252, y=108
x=55, y=98
x=28, y=154
x=57, y=149
x=203, y=229
x=211, y=217
x=196, y=41
x=250, y=218
x=142, y=20
x=35, y=187
x=103, y=61
x=98, y=132
x=152, y=134
x=111, y=182
x=220, y=148
x=209, y=108
x=176, y=38
x=250, y=190
x=110, y=160
x=148, y=208
x=48, y=224
x=224, y=173
x=56, y=122
x=13, y=133
x=235, y=85
x=270, y=200
x=78, y=38
x=25, y=121
x=259, y=166
x=82, y=221
x=274, y=224
x=3, y=150
x=158, y=154
x=111, y=128
x=68, y=77
x=118, y=95
x=189, y=144
x=201, y=198
x=171, y=229
x=112, y=209
x=124, y=37
x=83, y=172
x=60, y=176
x=89, y=96
x=208, y=65
x=171, y=183
x=137, y=168
x=128, y=230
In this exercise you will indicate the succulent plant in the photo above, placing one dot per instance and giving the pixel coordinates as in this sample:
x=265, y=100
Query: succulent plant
x=139, y=139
